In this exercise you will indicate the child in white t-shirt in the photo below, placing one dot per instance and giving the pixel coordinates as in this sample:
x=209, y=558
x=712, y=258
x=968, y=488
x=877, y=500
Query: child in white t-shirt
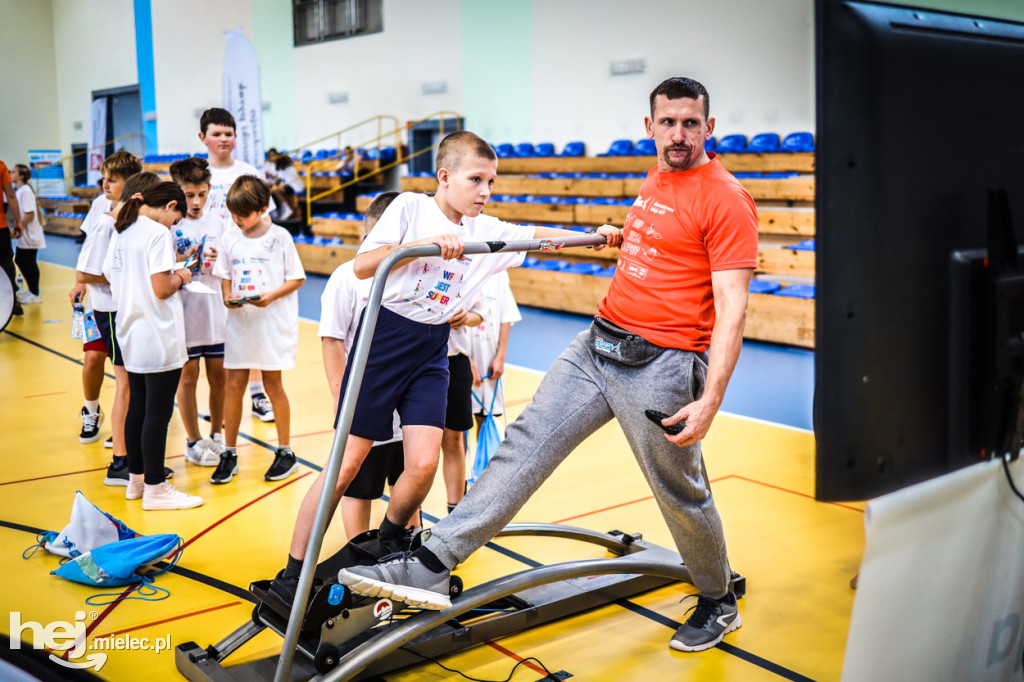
x=260, y=274
x=407, y=366
x=341, y=306
x=217, y=133
x=31, y=239
x=116, y=170
x=205, y=315
x=144, y=280
x=489, y=346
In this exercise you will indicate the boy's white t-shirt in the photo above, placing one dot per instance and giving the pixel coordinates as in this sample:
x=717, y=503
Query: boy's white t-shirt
x=221, y=180
x=205, y=314
x=341, y=304
x=260, y=338
x=290, y=176
x=99, y=206
x=459, y=338
x=499, y=307
x=32, y=233
x=91, y=258
x=431, y=290
x=150, y=330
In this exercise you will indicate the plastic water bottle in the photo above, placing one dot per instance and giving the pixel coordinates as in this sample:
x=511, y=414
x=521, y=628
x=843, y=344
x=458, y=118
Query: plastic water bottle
x=78, y=322
x=182, y=243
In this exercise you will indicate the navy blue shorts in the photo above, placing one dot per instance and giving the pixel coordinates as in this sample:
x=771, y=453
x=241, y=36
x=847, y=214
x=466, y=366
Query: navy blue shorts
x=384, y=463
x=108, y=334
x=214, y=350
x=407, y=370
x=459, y=413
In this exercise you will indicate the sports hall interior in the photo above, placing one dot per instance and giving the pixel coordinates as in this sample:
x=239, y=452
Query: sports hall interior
x=561, y=90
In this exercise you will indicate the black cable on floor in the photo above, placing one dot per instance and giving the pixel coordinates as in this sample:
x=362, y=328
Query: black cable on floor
x=477, y=679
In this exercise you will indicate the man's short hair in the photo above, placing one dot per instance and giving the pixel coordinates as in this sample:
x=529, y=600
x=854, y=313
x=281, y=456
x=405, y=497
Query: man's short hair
x=248, y=195
x=460, y=145
x=122, y=164
x=216, y=116
x=192, y=171
x=376, y=209
x=675, y=88
x=138, y=184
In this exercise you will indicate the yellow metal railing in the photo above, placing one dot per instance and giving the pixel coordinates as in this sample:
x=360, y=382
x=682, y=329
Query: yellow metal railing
x=68, y=162
x=375, y=142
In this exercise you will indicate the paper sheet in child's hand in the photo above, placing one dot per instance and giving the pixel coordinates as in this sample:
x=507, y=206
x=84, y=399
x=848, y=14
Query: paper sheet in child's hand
x=198, y=288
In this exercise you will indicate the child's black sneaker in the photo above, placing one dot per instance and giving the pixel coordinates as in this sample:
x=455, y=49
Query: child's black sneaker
x=284, y=465
x=226, y=469
x=712, y=620
x=117, y=472
x=261, y=407
x=91, y=423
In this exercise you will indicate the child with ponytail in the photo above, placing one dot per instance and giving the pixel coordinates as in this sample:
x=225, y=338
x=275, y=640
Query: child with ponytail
x=144, y=280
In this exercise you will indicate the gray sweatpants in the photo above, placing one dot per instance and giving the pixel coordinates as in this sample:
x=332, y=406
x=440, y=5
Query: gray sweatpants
x=580, y=393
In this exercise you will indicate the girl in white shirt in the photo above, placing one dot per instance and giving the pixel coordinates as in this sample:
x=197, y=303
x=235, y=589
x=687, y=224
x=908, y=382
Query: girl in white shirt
x=31, y=239
x=151, y=332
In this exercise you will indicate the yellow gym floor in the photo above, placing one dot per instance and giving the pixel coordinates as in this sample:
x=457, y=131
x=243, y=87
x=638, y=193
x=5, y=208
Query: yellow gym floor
x=798, y=555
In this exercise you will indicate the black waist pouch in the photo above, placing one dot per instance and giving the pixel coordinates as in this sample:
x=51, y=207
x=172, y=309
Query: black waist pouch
x=614, y=343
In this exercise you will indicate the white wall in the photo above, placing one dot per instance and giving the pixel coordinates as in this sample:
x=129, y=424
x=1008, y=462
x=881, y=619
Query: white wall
x=382, y=73
x=28, y=80
x=756, y=59
x=94, y=48
x=188, y=56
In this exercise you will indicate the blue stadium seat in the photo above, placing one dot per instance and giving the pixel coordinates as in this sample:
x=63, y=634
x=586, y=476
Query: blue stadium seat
x=732, y=144
x=764, y=143
x=544, y=149
x=524, y=150
x=556, y=265
x=798, y=291
x=798, y=142
x=573, y=149
x=760, y=286
x=504, y=150
x=621, y=148
x=645, y=147
x=607, y=272
x=711, y=145
x=805, y=245
x=530, y=261
x=585, y=268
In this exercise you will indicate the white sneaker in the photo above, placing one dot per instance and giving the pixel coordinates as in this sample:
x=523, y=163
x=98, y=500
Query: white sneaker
x=166, y=496
x=200, y=454
x=134, y=491
x=216, y=443
x=29, y=297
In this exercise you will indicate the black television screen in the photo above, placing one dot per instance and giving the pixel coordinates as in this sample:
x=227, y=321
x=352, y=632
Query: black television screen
x=919, y=114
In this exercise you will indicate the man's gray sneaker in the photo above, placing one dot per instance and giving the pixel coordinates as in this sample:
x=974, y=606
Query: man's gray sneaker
x=711, y=621
x=400, y=577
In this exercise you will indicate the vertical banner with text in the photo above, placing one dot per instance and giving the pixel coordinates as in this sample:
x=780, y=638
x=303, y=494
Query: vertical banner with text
x=242, y=96
x=97, y=136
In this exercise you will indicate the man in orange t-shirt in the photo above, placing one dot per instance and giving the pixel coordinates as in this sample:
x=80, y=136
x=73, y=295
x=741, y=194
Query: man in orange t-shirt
x=677, y=303
x=8, y=233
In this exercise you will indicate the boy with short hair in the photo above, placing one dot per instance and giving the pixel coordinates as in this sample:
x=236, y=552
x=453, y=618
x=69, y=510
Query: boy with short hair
x=341, y=306
x=205, y=315
x=217, y=133
x=260, y=274
x=407, y=366
x=116, y=169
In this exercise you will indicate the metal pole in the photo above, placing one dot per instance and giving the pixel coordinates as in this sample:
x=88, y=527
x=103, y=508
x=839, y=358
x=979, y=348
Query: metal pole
x=374, y=649
x=360, y=353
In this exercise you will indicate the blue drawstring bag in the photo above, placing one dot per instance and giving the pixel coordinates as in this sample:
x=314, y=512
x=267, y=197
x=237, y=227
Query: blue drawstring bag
x=88, y=529
x=490, y=437
x=124, y=563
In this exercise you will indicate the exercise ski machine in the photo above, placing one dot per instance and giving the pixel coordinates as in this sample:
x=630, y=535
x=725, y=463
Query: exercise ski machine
x=344, y=636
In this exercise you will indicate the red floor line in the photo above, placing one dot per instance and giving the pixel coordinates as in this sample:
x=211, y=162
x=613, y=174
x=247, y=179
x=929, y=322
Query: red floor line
x=245, y=506
x=45, y=395
x=110, y=607
x=43, y=478
x=313, y=433
x=623, y=504
x=141, y=626
x=516, y=657
x=795, y=492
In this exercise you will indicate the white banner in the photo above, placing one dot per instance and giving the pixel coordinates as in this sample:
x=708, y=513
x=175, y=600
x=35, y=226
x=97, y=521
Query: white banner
x=941, y=589
x=48, y=171
x=242, y=96
x=97, y=136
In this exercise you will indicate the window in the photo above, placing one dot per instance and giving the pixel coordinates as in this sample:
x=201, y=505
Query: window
x=317, y=21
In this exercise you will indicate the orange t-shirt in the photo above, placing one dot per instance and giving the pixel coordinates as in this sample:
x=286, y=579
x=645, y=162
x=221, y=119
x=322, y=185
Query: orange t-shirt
x=683, y=226
x=5, y=179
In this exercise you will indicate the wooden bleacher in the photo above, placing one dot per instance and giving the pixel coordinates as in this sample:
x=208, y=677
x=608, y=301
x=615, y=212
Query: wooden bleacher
x=785, y=218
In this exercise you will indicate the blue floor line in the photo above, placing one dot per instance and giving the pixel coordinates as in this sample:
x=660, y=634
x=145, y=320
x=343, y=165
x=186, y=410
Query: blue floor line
x=771, y=383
